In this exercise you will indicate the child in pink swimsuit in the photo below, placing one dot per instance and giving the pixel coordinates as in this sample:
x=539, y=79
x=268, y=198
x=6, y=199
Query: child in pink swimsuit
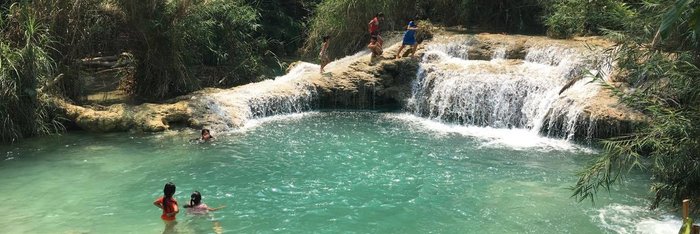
x=196, y=206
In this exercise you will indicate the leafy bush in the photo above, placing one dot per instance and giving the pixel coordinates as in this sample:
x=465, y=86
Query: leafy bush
x=223, y=33
x=25, y=69
x=573, y=17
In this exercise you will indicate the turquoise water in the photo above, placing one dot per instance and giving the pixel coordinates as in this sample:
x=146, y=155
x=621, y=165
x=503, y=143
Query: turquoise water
x=327, y=172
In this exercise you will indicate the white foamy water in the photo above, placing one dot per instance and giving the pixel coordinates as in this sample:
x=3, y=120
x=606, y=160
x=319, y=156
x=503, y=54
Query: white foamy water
x=519, y=139
x=625, y=219
x=254, y=123
x=285, y=94
x=516, y=94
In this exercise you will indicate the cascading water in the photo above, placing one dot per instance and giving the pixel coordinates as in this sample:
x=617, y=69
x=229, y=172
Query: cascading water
x=286, y=94
x=503, y=93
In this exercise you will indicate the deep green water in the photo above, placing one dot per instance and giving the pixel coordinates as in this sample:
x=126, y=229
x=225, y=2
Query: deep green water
x=329, y=172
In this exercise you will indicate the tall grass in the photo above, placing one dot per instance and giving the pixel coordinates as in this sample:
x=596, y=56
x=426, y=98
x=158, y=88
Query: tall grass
x=25, y=69
x=567, y=18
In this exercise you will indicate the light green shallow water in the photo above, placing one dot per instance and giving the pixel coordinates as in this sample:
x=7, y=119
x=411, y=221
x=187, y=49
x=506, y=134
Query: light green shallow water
x=329, y=172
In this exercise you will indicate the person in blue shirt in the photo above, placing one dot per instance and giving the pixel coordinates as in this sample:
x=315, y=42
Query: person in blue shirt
x=409, y=38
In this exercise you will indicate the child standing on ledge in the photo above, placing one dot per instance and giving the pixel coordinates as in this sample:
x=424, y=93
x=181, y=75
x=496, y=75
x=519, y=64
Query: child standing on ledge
x=409, y=38
x=323, y=54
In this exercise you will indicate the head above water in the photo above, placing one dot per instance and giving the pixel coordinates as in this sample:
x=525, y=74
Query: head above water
x=379, y=15
x=373, y=38
x=169, y=189
x=195, y=198
x=325, y=38
x=206, y=134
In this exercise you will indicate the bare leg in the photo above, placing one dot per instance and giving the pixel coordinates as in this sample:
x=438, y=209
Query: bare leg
x=217, y=227
x=398, y=54
x=414, y=48
x=169, y=227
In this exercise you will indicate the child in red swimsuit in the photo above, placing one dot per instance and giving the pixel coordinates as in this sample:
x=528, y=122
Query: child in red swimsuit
x=167, y=203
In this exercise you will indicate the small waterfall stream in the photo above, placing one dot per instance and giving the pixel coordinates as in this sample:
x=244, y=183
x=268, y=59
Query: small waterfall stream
x=505, y=93
x=285, y=94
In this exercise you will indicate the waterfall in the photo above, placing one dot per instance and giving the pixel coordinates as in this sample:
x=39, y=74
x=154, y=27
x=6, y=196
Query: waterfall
x=506, y=93
x=230, y=109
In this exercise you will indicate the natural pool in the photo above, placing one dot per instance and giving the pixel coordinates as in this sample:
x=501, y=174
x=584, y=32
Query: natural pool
x=324, y=172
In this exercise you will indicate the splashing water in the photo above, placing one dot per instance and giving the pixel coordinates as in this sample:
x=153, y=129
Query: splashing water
x=500, y=93
x=283, y=95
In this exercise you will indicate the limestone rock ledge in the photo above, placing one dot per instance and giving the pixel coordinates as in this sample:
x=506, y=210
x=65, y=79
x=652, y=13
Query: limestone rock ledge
x=121, y=117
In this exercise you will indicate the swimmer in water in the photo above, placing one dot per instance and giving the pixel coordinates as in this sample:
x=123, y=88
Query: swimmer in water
x=197, y=207
x=169, y=206
x=206, y=135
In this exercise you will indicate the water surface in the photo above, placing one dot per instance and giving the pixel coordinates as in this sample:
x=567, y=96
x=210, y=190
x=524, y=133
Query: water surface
x=327, y=172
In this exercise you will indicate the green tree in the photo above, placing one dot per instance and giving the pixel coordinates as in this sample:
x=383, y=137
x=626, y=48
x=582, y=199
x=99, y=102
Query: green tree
x=663, y=75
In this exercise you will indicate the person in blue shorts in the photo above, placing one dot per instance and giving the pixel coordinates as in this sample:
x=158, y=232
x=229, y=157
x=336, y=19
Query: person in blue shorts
x=409, y=38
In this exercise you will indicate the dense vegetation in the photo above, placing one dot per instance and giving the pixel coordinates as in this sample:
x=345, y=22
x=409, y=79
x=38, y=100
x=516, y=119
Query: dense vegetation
x=170, y=47
x=346, y=20
x=658, y=55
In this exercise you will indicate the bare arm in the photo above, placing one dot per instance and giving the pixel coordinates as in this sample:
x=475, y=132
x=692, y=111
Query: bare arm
x=217, y=208
x=157, y=204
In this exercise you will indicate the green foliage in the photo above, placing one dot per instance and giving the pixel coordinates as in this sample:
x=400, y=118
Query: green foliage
x=346, y=20
x=158, y=47
x=663, y=82
x=223, y=33
x=25, y=68
x=284, y=23
x=568, y=18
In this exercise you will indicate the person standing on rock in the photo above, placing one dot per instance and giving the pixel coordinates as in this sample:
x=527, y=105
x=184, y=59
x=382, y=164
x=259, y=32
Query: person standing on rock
x=374, y=29
x=409, y=38
x=323, y=54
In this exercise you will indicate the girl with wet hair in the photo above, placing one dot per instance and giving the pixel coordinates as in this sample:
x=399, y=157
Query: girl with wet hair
x=196, y=206
x=167, y=203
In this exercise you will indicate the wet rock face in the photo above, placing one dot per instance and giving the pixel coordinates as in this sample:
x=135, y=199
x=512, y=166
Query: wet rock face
x=382, y=85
